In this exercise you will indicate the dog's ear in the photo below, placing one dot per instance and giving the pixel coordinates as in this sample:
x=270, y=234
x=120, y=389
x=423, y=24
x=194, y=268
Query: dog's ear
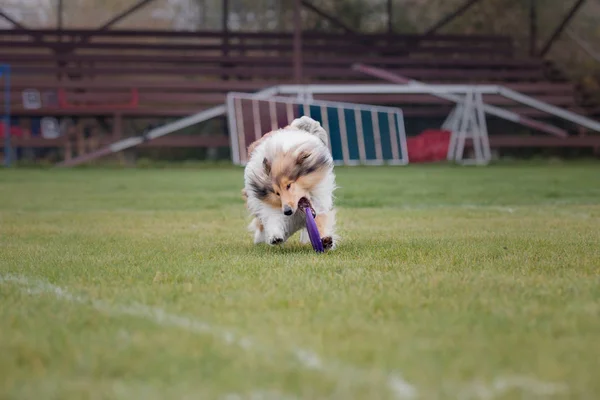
x=303, y=155
x=267, y=165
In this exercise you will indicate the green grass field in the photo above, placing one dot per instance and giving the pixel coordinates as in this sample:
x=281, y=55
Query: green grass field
x=450, y=283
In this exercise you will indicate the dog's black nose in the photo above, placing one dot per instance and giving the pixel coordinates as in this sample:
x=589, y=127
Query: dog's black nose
x=287, y=210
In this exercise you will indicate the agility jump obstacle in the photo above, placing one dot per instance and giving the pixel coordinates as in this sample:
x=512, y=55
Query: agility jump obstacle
x=358, y=133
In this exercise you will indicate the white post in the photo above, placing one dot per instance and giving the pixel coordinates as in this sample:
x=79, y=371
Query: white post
x=485, y=141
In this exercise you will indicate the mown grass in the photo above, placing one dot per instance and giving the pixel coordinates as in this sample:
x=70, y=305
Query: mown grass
x=449, y=283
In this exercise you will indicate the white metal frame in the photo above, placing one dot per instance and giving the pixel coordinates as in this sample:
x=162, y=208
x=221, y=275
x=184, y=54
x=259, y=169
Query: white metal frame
x=492, y=110
x=412, y=88
x=395, y=116
x=467, y=120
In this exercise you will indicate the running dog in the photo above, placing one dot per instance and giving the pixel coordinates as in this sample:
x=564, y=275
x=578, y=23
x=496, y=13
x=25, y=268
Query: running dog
x=284, y=166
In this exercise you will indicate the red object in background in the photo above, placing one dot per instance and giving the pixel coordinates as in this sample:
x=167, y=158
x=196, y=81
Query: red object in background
x=429, y=146
x=14, y=131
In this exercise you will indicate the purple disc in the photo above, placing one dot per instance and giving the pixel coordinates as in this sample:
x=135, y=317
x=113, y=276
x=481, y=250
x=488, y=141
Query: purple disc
x=313, y=232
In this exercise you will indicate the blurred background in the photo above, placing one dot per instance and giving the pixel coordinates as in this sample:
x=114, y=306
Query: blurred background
x=88, y=73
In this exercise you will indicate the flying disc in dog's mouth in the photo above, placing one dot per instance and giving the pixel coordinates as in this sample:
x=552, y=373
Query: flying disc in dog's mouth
x=304, y=203
x=311, y=225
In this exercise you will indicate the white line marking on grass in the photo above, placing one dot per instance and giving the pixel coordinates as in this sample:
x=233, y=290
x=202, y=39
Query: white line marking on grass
x=156, y=315
x=258, y=395
x=307, y=358
x=422, y=207
x=401, y=388
x=530, y=385
x=500, y=386
x=539, y=209
x=509, y=210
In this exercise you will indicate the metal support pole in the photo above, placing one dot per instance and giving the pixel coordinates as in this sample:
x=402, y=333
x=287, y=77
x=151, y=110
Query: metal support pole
x=584, y=45
x=482, y=123
x=124, y=14
x=327, y=16
x=389, y=16
x=451, y=124
x=225, y=28
x=532, y=27
x=86, y=37
x=12, y=21
x=26, y=31
x=450, y=17
x=59, y=15
x=297, y=42
x=463, y=129
x=559, y=29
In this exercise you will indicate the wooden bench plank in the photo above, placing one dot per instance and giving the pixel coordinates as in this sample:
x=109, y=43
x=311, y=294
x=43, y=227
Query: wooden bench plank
x=199, y=141
x=283, y=72
x=194, y=99
x=141, y=112
x=181, y=85
x=236, y=35
x=433, y=111
x=20, y=59
x=515, y=141
x=341, y=48
x=425, y=99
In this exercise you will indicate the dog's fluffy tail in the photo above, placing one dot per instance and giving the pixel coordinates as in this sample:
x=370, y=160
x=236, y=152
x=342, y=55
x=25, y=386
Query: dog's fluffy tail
x=311, y=126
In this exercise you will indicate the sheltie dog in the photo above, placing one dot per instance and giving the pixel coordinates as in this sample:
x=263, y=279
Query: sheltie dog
x=284, y=166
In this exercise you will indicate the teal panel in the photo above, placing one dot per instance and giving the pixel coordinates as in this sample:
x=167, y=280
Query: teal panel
x=384, y=131
x=334, y=134
x=334, y=127
x=368, y=134
x=398, y=122
x=351, y=135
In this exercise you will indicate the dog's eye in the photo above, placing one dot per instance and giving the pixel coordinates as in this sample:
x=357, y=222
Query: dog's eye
x=288, y=186
x=277, y=193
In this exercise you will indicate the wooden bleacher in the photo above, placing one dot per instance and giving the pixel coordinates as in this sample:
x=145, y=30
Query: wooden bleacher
x=106, y=79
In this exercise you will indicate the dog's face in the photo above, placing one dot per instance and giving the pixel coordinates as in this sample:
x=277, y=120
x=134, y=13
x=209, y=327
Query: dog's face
x=294, y=174
x=290, y=192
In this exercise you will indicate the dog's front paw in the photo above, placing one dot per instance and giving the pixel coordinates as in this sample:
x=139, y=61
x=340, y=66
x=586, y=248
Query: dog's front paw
x=327, y=243
x=275, y=240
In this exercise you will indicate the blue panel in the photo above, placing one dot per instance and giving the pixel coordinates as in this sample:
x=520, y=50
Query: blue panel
x=384, y=131
x=397, y=121
x=351, y=134
x=368, y=134
x=315, y=113
x=334, y=127
x=334, y=134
